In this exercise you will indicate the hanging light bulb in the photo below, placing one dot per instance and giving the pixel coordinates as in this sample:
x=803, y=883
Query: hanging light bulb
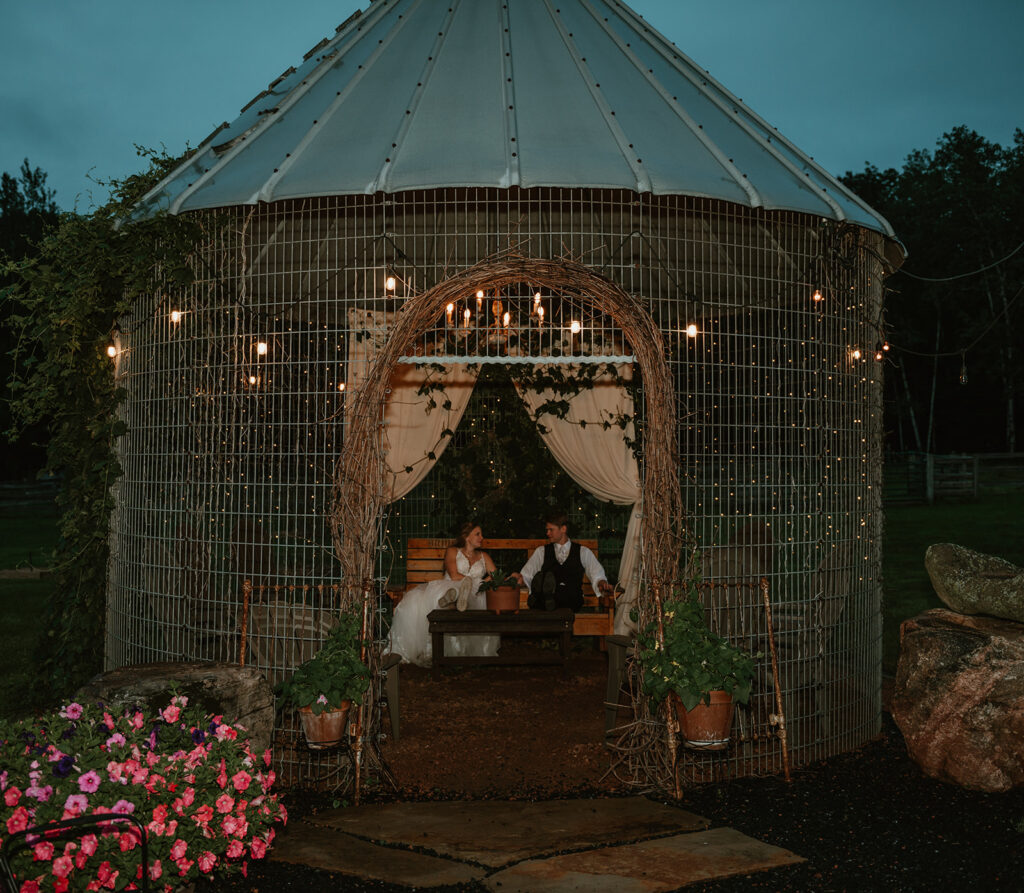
x=536, y=298
x=466, y=314
x=253, y=379
x=341, y=387
x=448, y=311
x=390, y=283
x=505, y=319
x=540, y=313
x=691, y=330
x=817, y=296
x=261, y=348
x=575, y=327
x=879, y=351
x=856, y=354
x=111, y=351
x=175, y=316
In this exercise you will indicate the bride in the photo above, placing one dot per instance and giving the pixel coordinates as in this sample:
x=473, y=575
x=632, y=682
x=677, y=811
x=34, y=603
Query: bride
x=465, y=566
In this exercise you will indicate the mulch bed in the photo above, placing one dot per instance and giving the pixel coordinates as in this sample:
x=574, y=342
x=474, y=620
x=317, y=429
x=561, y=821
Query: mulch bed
x=866, y=820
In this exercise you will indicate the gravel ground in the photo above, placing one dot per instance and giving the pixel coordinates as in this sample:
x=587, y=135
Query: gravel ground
x=866, y=820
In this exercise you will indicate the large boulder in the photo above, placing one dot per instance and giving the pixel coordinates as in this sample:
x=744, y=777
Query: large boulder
x=974, y=583
x=241, y=694
x=959, y=698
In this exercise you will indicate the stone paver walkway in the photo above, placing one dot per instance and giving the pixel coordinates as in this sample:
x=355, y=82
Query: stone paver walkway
x=623, y=844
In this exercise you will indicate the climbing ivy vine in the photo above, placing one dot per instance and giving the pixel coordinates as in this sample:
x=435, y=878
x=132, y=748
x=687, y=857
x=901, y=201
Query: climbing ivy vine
x=66, y=301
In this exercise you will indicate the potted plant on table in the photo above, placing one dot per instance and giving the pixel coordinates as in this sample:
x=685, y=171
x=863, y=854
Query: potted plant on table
x=325, y=686
x=502, y=592
x=702, y=674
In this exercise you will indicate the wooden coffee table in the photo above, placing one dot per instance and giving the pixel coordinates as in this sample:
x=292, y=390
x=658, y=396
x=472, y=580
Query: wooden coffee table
x=543, y=624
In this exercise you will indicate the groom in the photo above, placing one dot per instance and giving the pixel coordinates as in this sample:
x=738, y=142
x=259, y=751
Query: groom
x=554, y=572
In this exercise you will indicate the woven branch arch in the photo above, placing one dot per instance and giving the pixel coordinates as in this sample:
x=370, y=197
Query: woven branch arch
x=358, y=491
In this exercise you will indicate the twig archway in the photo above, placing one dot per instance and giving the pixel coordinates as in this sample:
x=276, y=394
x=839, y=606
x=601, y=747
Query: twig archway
x=358, y=497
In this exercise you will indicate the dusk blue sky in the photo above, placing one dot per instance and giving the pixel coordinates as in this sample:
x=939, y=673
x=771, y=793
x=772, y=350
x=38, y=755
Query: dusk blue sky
x=82, y=82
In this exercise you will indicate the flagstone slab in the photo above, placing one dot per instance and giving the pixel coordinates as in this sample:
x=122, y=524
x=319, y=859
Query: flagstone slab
x=317, y=846
x=649, y=867
x=497, y=832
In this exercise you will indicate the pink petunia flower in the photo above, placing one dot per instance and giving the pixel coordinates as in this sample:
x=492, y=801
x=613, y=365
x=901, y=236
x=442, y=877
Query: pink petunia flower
x=241, y=780
x=30, y=886
x=203, y=814
x=184, y=865
x=171, y=714
x=89, y=844
x=156, y=869
x=123, y=807
x=116, y=740
x=258, y=848
x=72, y=711
x=12, y=795
x=235, y=849
x=61, y=885
x=89, y=782
x=42, y=852
x=206, y=862
x=225, y=803
x=178, y=849
x=62, y=866
x=42, y=794
x=18, y=820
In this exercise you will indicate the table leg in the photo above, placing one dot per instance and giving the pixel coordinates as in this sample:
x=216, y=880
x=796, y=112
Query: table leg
x=437, y=654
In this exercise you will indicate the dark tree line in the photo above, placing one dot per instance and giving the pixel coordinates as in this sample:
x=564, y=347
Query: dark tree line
x=27, y=209
x=955, y=312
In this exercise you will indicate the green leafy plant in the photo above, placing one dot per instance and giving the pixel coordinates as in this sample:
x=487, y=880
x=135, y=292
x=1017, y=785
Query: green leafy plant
x=334, y=674
x=692, y=661
x=498, y=579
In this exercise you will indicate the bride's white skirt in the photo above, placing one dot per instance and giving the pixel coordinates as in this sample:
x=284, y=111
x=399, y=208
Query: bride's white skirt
x=410, y=636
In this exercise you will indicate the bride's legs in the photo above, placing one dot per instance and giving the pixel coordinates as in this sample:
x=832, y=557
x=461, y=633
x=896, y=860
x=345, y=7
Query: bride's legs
x=448, y=597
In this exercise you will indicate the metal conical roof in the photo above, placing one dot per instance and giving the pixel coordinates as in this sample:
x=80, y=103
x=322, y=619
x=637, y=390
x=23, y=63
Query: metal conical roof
x=415, y=94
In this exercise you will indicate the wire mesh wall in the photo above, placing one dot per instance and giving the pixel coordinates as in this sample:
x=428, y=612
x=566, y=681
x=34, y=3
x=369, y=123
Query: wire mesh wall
x=236, y=415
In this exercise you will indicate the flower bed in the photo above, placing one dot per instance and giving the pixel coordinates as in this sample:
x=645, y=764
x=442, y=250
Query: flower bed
x=187, y=776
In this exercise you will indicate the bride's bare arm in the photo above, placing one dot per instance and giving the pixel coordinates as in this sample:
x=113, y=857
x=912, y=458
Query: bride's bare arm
x=489, y=564
x=450, y=563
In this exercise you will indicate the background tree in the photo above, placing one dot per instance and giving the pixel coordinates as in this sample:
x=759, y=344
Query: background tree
x=27, y=210
x=954, y=313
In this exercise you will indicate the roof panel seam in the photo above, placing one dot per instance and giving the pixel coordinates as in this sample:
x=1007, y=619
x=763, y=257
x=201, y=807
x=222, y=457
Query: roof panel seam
x=293, y=97
x=380, y=182
x=738, y=176
x=674, y=55
x=509, y=95
x=643, y=182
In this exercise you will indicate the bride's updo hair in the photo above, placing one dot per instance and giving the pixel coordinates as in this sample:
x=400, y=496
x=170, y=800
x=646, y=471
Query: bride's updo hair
x=464, y=531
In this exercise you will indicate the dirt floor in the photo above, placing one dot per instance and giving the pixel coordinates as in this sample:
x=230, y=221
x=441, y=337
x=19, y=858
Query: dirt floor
x=503, y=731
x=865, y=820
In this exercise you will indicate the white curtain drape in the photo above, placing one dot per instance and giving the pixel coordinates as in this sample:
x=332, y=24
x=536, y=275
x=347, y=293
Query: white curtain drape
x=597, y=456
x=425, y=405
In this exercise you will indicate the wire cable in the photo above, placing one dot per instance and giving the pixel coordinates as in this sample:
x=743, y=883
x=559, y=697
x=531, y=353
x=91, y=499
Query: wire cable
x=961, y=275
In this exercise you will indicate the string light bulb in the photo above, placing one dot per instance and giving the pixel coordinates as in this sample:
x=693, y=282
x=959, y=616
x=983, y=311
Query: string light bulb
x=341, y=387
x=536, y=299
x=390, y=283
x=466, y=314
x=540, y=313
x=261, y=348
x=111, y=351
x=575, y=327
x=817, y=297
x=175, y=316
x=856, y=354
x=448, y=311
x=691, y=330
x=505, y=319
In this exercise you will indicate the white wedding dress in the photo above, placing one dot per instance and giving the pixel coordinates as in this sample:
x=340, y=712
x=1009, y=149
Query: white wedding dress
x=410, y=635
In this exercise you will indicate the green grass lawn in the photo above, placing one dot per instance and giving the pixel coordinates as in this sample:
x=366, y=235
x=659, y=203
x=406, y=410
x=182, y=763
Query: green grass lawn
x=28, y=534
x=994, y=525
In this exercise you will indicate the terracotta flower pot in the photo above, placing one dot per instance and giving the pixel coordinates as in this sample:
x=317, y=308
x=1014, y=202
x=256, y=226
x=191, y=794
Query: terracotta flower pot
x=706, y=726
x=326, y=729
x=504, y=598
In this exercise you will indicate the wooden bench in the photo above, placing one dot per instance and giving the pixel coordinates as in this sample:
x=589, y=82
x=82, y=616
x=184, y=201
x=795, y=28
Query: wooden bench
x=424, y=561
x=445, y=621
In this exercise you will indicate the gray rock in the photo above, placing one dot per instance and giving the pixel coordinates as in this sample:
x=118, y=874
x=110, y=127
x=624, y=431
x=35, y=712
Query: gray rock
x=973, y=583
x=241, y=694
x=959, y=698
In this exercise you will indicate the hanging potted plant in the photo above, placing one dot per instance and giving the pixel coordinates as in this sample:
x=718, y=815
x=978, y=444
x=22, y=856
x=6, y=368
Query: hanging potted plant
x=502, y=592
x=325, y=686
x=698, y=671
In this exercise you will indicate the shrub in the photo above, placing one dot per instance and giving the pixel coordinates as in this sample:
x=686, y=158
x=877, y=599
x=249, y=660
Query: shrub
x=190, y=778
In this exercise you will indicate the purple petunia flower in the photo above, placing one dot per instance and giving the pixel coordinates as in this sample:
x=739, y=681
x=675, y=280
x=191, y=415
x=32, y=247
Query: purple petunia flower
x=89, y=782
x=62, y=768
x=198, y=736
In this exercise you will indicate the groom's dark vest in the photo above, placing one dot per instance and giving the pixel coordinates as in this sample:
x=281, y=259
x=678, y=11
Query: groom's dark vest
x=569, y=576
